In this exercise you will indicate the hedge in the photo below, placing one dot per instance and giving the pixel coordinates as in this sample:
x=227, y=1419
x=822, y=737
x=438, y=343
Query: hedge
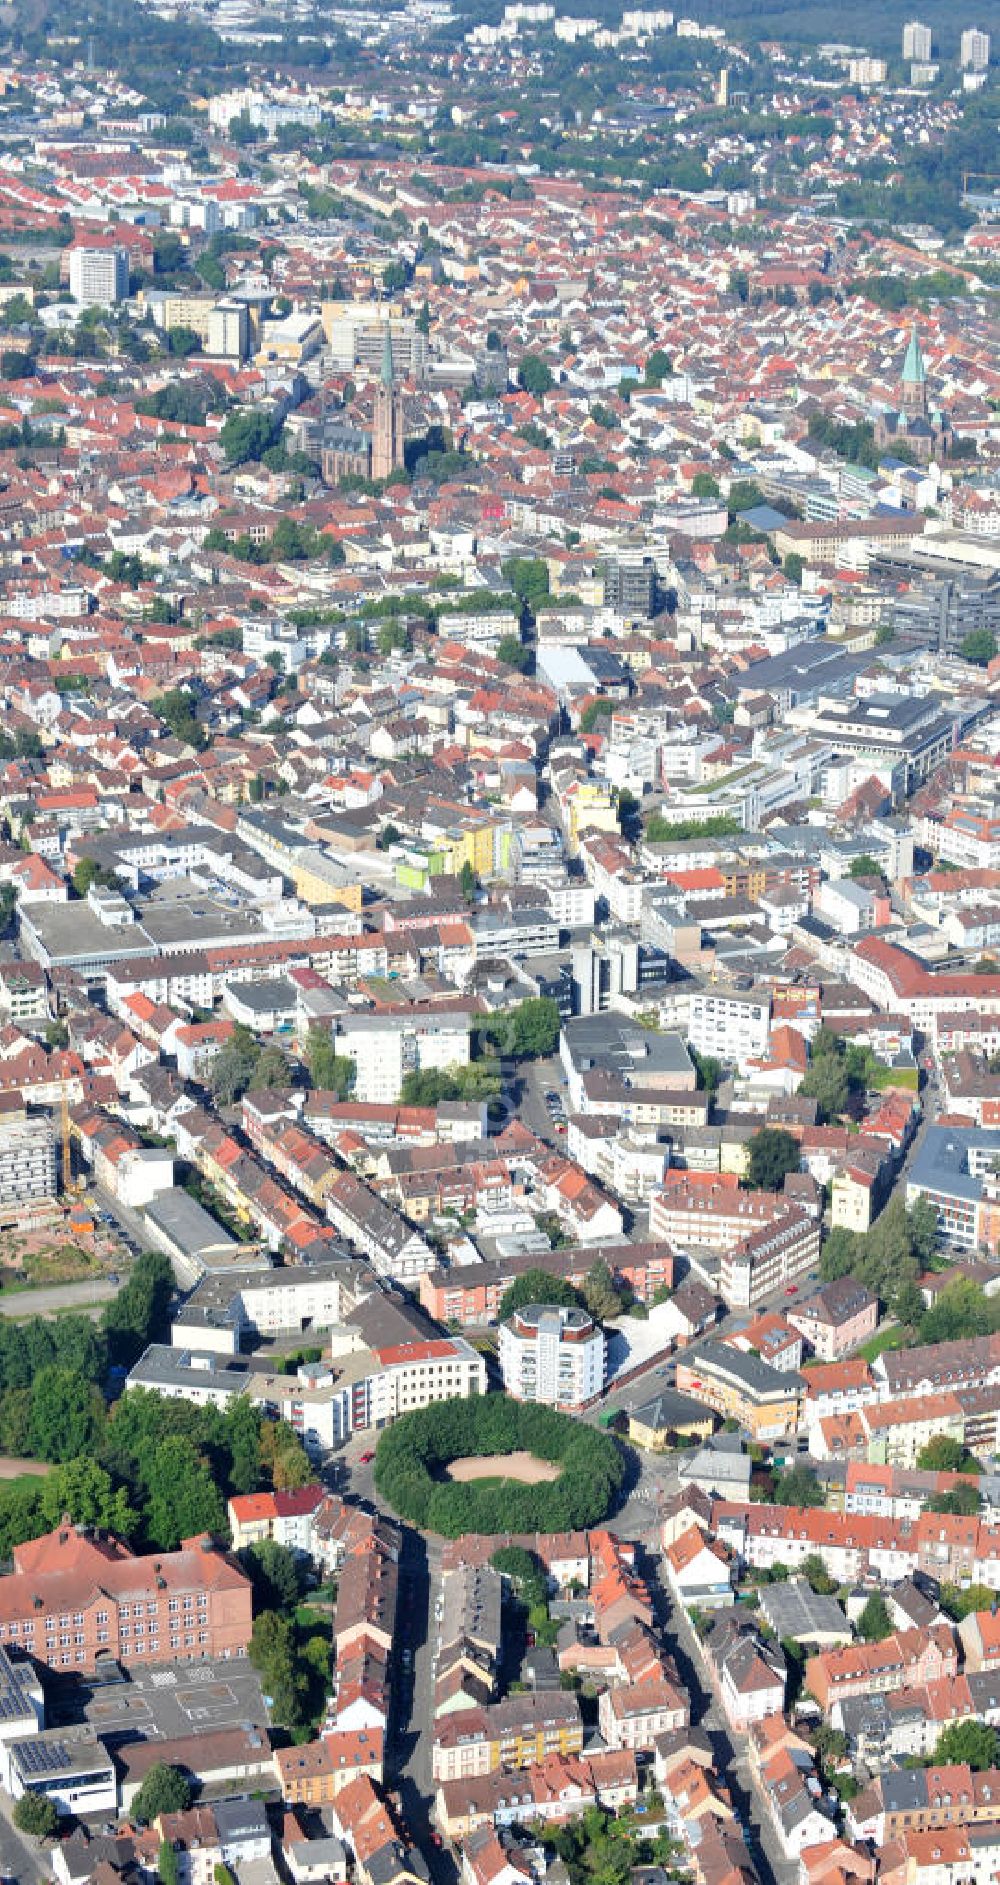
x=413, y=1453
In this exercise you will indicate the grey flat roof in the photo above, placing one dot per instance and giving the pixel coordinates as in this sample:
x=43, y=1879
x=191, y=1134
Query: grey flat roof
x=942, y=1161
x=263, y=996
x=795, y=1610
x=187, y=1224
x=162, y=1366
x=622, y=1046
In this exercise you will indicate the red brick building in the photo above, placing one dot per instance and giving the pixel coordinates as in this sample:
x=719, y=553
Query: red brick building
x=74, y=1600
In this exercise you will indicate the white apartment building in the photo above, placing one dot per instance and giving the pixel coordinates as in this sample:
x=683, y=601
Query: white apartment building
x=414, y=1375
x=731, y=1026
x=98, y=277
x=553, y=1355
x=385, y=1048
x=917, y=41
x=974, y=50
x=772, y=1255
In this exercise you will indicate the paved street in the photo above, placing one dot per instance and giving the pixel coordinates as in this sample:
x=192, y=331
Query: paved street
x=85, y=1296
x=728, y=1747
x=21, y=1859
x=410, y=1747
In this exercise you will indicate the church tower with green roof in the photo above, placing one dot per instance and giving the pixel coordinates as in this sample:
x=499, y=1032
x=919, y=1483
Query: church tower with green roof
x=914, y=401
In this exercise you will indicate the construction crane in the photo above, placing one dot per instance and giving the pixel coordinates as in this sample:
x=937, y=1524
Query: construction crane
x=67, y=1157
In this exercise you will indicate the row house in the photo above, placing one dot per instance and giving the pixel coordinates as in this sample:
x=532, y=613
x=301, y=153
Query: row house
x=948, y=1856
x=904, y=1660
x=555, y=1791
x=922, y=1799
x=471, y=1294
x=395, y=1249
x=518, y=1732
x=316, y=1772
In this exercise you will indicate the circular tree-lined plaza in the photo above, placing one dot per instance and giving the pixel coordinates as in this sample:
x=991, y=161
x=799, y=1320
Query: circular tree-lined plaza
x=580, y=1469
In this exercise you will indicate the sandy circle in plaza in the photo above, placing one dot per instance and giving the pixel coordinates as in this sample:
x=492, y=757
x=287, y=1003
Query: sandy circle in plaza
x=523, y=1466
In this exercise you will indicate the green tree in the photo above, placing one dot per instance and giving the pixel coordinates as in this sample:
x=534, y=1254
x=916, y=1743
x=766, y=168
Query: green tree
x=658, y=367
x=183, y=341
x=35, y=1814
x=799, y=1486
x=529, y=1031
x=941, y=1455
x=140, y=1313
x=164, y=1790
x=87, y=872
x=839, y=1255
x=707, y=1069
x=85, y=1491
x=183, y=1498
x=235, y=1066
x=328, y=1070
x=967, y=1744
x=817, y=1576
x=537, y=1286
x=167, y=1864
x=663, y=830
x=274, y=1574
x=962, y=1502
x=283, y=1457
x=826, y=1081
x=248, y=434
x=272, y=1070
x=525, y=1572
x=961, y=1603
x=535, y=375
x=67, y=1415
x=793, y=566
x=874, y=1623
x=468, y=882
x=594, y=711
x=599, y=1292
x=528, y=576
x=704, y=485
x=513, y=653
x=960, y=1310
x=923, y=1226
x=177, y=709
x=979, y=647
x=272, y=1652
x=864, y=866
x=772, y=1153
x=831, y=1745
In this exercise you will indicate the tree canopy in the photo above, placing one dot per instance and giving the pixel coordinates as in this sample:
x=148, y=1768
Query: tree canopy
x=968, y=1744
x=771, y=1154
x=413, y=1453
x=537, y=1286
x=164, y=1790
x=529, y=1031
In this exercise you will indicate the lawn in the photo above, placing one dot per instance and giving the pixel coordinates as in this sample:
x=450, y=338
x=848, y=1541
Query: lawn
x=880, y=1344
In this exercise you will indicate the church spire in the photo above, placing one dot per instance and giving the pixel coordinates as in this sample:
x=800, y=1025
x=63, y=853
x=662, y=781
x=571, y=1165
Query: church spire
x=914, y=371
x=387, y=379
